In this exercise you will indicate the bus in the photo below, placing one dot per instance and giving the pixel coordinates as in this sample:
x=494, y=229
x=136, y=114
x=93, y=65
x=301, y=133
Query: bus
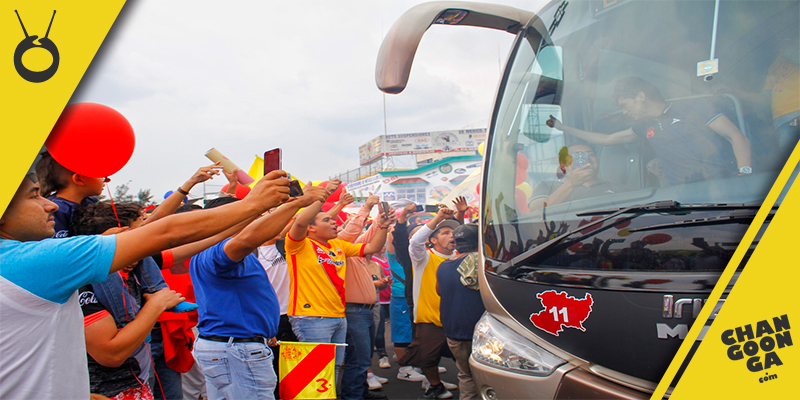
x=630, y=145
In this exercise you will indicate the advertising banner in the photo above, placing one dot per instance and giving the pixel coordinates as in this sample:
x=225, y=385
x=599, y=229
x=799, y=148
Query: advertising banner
x=421, y=143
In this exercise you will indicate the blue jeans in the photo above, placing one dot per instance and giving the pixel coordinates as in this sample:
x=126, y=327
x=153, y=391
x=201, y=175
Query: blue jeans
x=120, y=304
x=236, y=370
x=322, y=330
x=358, y=357
x=169, y=378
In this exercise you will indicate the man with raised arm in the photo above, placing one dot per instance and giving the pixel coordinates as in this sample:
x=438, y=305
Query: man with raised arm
x=239, y=310
x=317, y=269
x=692, y=141
x=47, y=332
x=429, y=340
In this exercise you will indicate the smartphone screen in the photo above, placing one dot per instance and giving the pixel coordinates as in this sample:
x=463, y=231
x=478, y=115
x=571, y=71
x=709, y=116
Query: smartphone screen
x=385, y=207
x=431, y=208
x=294, y=189
x=420, y=208
x=272, y=160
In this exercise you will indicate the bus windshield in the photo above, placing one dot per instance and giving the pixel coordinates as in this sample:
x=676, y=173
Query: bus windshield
x=605, y=105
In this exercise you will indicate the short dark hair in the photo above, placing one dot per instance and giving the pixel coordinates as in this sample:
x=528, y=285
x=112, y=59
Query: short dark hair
x=219, y=201
x=629, y=86
x=97, y=218
x=52, y=175
x=314, y=220
x=187, y=208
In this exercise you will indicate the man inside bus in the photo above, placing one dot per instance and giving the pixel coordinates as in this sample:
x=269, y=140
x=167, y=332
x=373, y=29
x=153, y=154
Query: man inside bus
x=692, y=141
x=580, y=182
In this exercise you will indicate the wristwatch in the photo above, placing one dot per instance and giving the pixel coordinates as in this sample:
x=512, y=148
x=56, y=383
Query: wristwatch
x=745, y=170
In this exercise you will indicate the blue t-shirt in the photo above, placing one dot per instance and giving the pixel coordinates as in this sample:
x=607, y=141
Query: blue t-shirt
x=54, y=269
x=398, y=287
x=234, y=298
x=460, y=307
x=65, y=213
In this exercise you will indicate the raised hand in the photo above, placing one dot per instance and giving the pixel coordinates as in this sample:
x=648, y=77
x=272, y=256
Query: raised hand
x=346, y=199
x=312, y=194
x=445, y=213
x=553, y=122
x=271, y=191
x=333, y=184
x=372, y=200
x=460, y=203
x=204, y=173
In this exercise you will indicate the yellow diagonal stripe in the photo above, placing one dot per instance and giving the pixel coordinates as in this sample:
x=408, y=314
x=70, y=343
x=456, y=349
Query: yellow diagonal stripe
x=29, y=110
x=707, y=380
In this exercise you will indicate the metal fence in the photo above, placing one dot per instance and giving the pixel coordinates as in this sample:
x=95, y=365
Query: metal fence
x=361, y=172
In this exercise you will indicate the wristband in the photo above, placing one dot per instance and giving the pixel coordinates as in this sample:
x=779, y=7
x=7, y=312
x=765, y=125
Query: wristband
x=183, y=192
x=382, y=227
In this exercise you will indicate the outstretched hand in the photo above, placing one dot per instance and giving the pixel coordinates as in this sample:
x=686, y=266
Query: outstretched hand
x=271, y=191
x=205, y=173
x=553, y=122
x=460, y=203
x=312, y=194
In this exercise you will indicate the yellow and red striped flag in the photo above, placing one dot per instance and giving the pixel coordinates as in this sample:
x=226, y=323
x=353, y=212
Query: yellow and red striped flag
x=307, y=370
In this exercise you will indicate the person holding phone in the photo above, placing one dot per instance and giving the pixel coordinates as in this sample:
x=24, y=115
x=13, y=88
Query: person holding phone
x=581, y=181
x=317, y=268
x=360, y=299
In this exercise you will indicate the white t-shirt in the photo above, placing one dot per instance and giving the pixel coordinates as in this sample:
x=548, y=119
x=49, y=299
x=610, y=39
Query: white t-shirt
x=41, y=324
x=278, y=272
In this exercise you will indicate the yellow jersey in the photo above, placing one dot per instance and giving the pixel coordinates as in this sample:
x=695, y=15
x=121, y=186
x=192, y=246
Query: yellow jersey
x=426, y=305
x=317, y=275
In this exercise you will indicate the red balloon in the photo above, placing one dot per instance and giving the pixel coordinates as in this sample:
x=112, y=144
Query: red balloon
x=92, y=140
x=241, y=190
x=522, y=169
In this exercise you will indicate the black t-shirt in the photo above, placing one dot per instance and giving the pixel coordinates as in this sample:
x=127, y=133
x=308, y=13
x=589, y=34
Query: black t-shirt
x=688, y=149
x=103, y=380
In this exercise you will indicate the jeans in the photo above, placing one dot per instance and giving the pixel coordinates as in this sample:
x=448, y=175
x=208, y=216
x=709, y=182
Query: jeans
x=112, y=293
x=358, y=358
x=170, y=380
x=380, y=335
x=236, y=370
x=322, y=330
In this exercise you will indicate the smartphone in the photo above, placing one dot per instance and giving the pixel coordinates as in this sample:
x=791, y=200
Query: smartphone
x=294, y=189
x=580, y=158
x=272, y=160
x=420, y=208
x=431, y=208
x=385, y=207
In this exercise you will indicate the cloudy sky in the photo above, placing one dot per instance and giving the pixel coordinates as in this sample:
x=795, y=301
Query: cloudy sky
x=246, y=77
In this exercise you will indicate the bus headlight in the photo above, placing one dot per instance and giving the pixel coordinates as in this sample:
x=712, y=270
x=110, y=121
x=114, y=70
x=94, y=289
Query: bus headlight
x=499, y=346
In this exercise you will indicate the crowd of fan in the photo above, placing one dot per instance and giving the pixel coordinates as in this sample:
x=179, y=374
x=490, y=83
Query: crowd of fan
x=255, y=271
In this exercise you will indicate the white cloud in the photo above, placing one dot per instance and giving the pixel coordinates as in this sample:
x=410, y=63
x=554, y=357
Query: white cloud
x=245, y=77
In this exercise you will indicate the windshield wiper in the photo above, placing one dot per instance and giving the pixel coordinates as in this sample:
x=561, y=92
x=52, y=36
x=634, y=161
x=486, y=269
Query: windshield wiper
x=684, y=207
x=740, y=212
x=739, y=216
x=546, y=249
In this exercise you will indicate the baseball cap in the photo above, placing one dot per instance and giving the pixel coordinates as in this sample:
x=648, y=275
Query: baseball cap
x=448, y=223
x=466, y=237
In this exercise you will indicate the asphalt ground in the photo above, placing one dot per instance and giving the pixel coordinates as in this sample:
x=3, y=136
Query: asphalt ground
x=397, y=389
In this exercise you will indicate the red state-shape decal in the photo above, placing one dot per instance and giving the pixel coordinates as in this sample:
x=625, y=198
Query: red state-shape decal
x=561, y=310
